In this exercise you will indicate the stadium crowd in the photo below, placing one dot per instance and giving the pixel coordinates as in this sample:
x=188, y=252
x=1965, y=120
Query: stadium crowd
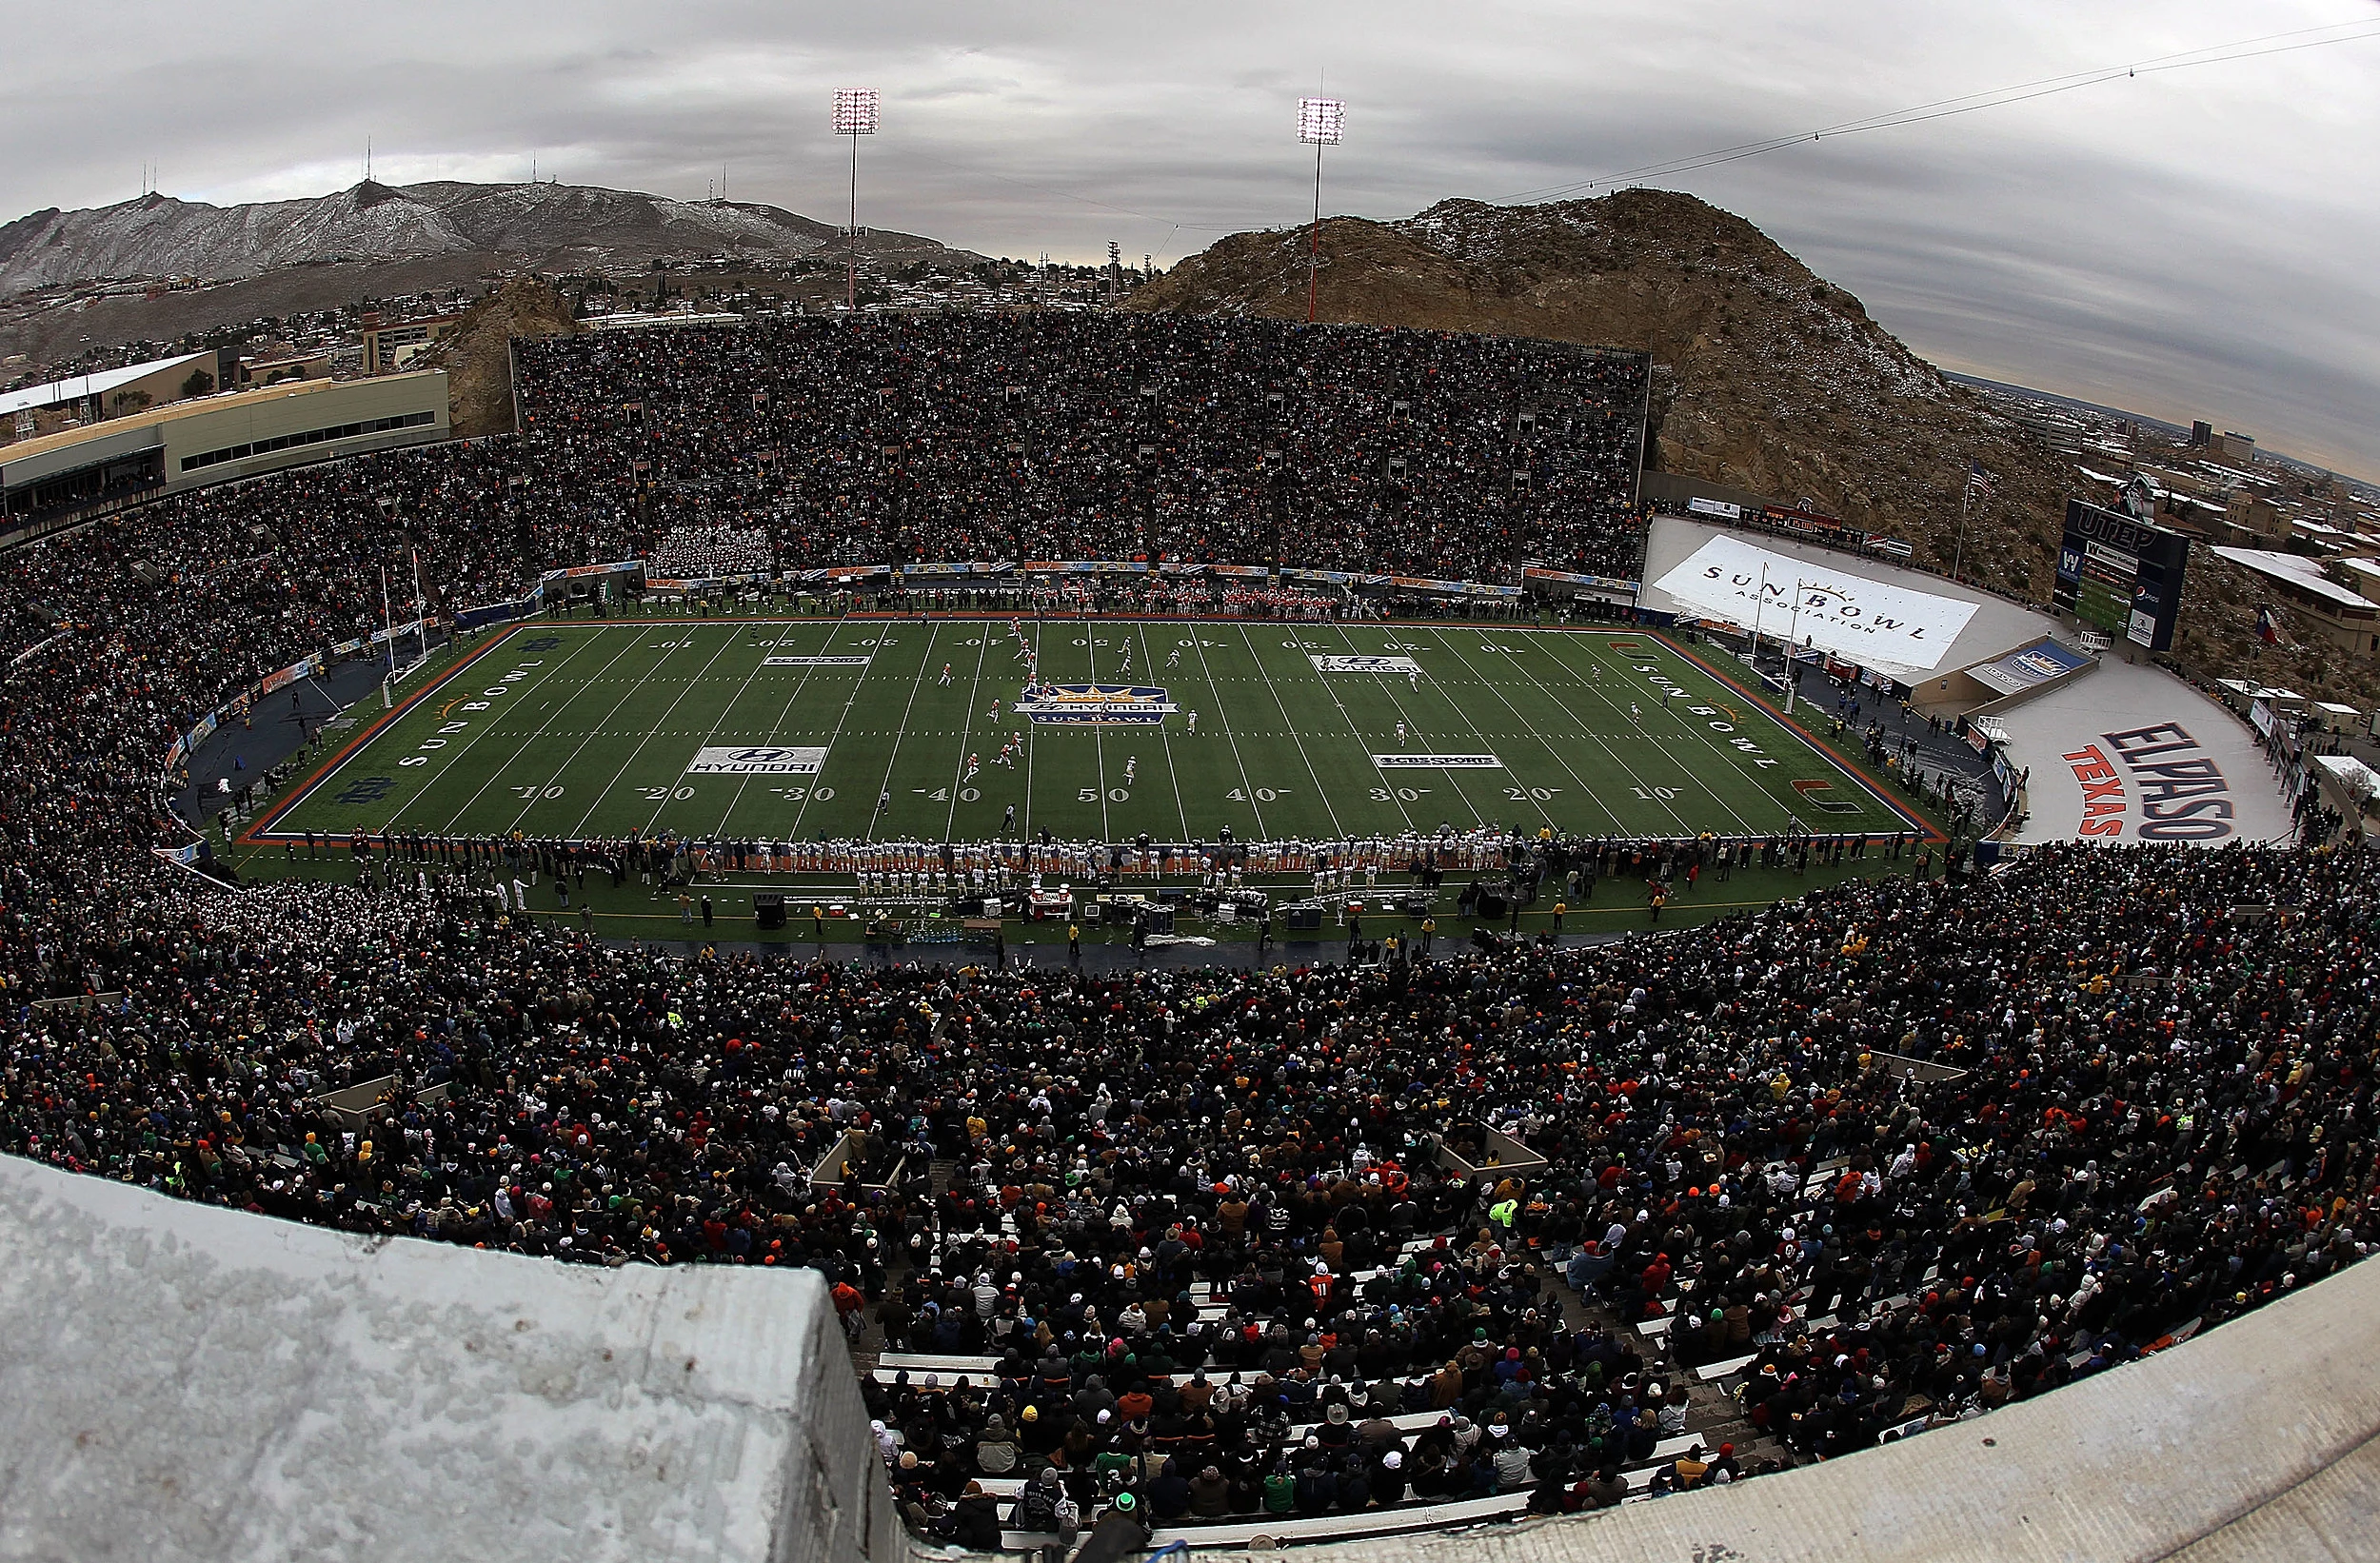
x=958, y=436
x=2151, y=1107
x=705, y=553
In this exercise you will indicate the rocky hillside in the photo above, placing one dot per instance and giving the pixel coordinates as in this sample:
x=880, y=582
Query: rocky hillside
x=1766, y=376
x=476, y=356
x=541, y=226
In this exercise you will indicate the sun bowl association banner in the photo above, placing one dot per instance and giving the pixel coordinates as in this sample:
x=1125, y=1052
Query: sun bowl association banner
x=1856, y=618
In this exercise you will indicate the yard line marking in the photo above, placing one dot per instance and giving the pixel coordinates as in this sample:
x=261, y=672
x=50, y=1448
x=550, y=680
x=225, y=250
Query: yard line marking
x=1653, y=793
x=1808, y=740
x=1339, y=832
x=1390, y=690
x=1150, y=656
x=1526, y=729
x=933, y=633
x=1736, y=769
x=758, y=662
x=809, y=794
x=1098, y=738
x=594, y=634
x=1223, y=714
x=1029, y=740
x=975, y=691
x=725, y=641
x=686, y=689
x=1364, y=743
x=799, y=685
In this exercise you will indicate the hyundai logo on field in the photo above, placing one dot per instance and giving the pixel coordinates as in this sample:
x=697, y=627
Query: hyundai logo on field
x=756, y=762
x=1366, y=665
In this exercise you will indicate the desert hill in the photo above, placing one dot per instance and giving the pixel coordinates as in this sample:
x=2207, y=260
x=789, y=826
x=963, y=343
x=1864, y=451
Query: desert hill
x=1766, y=376
x=541, y=226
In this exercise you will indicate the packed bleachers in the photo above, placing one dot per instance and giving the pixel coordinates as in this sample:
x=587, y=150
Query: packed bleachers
x=958, y=436
x=708, y=553
x=2143, y=1119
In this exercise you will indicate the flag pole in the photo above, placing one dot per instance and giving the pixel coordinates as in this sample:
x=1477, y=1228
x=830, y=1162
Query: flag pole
x=389, y=623
x=1760, y=601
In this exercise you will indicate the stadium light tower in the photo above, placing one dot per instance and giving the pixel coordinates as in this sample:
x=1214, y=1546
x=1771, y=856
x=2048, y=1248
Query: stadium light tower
x=857, y=112
x=1321, y=122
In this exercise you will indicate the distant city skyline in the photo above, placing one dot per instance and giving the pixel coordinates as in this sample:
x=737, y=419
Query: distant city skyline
x=2191, y=242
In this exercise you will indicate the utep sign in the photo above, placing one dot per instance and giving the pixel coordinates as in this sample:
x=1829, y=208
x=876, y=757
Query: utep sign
x=1119, y=704
x=2177, y=789
x=1857, y=619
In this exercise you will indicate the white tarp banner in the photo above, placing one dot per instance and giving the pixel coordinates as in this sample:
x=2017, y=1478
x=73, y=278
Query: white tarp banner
x=1859, y=620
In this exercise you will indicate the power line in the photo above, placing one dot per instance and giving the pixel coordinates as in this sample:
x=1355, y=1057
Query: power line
x=2243, y=48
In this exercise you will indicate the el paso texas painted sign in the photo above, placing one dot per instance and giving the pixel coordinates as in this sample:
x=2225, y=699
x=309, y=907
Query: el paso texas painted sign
x=2156, y=784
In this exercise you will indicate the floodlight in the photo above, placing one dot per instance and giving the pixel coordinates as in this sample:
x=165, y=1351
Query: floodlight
x=1321, y=123
x=858, y=110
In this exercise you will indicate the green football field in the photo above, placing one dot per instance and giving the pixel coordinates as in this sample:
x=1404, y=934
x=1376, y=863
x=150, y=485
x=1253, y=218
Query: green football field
x=795, y=729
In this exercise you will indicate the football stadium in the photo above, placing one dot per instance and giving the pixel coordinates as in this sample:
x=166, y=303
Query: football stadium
x=1084, y=933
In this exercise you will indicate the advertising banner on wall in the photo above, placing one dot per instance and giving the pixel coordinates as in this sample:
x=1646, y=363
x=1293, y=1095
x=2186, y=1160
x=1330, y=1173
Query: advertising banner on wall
x=1860, y=619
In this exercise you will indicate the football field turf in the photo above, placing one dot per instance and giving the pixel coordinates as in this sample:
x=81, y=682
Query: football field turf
x=793, y=729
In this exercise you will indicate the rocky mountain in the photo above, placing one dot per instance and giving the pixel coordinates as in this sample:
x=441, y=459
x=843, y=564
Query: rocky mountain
x=544, y=225
x=478, y=357
x=1766, y=376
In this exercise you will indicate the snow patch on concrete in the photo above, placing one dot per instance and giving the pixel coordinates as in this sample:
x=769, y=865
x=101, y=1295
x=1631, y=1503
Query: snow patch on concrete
x=186, y=1382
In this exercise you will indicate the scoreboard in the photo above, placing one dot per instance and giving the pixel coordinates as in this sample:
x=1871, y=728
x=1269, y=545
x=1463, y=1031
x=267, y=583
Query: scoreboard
x=2121, y=574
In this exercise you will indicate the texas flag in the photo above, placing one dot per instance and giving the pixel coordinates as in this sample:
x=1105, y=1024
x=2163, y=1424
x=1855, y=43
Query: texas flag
x=2264, y=631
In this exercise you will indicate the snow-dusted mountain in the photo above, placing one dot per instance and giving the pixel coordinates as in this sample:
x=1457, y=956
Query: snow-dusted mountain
x=558, y=224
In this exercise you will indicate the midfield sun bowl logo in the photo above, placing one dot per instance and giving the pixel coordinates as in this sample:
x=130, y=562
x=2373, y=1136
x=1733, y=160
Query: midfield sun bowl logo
x=1117, y=704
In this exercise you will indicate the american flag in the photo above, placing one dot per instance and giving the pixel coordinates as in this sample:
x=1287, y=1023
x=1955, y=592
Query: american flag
x=1978, y=480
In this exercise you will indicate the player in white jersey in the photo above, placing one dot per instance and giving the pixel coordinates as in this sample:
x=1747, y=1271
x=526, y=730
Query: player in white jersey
x=1400, y=735
x=1194, y=720
x=1132, y=766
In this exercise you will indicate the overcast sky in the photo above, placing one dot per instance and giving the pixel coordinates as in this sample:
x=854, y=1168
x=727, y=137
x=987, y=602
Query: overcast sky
x=2188, y=243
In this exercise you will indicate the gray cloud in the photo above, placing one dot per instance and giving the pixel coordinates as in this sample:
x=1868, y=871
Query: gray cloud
x=2187, y=244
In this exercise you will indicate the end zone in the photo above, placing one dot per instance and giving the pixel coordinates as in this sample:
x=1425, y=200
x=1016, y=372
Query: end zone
x=260, y=831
